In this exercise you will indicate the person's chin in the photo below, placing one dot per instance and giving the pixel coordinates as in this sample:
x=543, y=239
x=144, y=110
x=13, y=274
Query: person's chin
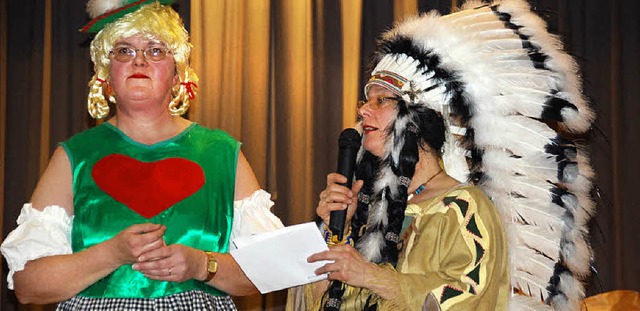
x=373, y=148
x=141, y=94
x=140, y=89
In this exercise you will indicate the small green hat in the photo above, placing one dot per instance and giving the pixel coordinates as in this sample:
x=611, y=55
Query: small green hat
x=110, y=15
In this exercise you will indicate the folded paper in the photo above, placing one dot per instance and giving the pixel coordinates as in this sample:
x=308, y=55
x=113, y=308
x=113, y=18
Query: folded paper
x=278, y=259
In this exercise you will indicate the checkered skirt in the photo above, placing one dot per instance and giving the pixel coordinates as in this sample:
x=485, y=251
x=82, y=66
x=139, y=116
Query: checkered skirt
x=190, y=300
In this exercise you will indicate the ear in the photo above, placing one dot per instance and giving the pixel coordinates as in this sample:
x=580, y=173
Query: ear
x=176, y=79
x=107, y=86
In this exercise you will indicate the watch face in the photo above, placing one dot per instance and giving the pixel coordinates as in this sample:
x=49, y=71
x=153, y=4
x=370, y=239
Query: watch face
x=212, y=265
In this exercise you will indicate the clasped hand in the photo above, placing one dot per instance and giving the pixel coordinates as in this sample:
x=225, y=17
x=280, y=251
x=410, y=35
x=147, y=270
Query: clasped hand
x=143, y=246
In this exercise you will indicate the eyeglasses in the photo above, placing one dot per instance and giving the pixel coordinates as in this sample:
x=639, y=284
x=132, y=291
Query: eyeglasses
x=378, y=102
x=125, y=54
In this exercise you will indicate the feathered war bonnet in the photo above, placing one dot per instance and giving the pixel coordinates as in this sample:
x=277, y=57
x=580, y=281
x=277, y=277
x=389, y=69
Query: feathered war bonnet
x=113, y=20
x=509, y=96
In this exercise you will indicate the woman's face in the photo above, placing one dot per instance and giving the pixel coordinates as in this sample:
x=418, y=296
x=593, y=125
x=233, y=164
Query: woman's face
x=141, y=81
x=377, y=114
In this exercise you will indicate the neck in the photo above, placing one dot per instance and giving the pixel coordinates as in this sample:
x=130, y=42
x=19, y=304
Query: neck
x=426, y=170
x=149, y=128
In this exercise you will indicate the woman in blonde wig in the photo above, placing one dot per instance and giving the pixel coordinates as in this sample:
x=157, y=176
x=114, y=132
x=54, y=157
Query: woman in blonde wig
x=137, y=213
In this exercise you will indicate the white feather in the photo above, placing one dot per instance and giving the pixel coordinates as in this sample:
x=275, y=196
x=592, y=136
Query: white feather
x=544, y=241
x=543, y=214
x=558, y=60
x=96, y=8
x=578, y=252
x=539, y=166
x=370, y=246
x=529, y=261
x=530, y=284
x=492, y=130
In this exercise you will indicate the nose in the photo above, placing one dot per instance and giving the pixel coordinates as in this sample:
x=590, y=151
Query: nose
x=139, y=59
x=365, y=110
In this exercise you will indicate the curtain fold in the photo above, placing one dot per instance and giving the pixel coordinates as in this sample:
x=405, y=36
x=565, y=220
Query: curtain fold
x=231, y=57
x=45, y=112
x=351, y=33
x=293, y=87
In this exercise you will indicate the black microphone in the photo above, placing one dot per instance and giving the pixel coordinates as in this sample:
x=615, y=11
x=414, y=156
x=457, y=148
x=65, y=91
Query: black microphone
x=348, y=144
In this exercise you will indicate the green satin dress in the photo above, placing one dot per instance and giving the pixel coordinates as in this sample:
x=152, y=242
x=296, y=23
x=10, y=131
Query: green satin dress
x=185, y=183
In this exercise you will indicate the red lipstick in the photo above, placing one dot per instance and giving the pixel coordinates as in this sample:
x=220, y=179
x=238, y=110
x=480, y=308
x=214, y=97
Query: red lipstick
x=139, y=76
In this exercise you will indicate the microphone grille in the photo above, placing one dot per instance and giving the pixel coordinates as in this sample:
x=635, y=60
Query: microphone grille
x=349, y=138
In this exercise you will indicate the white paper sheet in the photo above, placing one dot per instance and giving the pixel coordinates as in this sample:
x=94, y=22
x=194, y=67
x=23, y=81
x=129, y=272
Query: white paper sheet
x=278, y=259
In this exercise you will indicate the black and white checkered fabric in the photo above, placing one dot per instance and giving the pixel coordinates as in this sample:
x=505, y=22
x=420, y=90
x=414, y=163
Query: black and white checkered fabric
x=190, y=300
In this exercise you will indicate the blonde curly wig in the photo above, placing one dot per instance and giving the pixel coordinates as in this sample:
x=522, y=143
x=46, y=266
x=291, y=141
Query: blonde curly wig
x=154, y=22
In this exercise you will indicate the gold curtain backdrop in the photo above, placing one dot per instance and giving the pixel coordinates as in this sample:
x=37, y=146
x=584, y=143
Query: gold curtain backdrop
x=283, y=76
x=231, y=56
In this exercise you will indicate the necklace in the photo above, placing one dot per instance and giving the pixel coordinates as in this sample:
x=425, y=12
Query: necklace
x=421, y=187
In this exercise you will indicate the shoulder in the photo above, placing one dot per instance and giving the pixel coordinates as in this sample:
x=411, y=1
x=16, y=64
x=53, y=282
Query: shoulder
x=212, y=133
x=464, y=199
x=87, y=136
x=474, y=206
x=468, y=193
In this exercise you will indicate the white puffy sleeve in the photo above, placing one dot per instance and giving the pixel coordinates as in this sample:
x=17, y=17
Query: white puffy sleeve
x=39, y=234
x=253, y=215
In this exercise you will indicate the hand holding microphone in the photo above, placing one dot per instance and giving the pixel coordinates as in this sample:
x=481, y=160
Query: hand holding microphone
x=348, y=144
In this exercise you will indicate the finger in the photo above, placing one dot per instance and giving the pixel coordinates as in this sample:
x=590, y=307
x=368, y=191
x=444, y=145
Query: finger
x=163, y=272
x=355, y=188
x=336, y=206
x=343, y=196
x=328, y=268
x=154, y=250
x=153, y=236
x=338, y=188
x=145, y=228
x=325, y=255
x=153, y=265
x=155, y=253
x=335, y=178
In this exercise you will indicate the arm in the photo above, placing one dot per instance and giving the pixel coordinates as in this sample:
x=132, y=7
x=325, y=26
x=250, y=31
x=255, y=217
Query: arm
x=230, y=277
x=56, y=278
x=246, y=181
x=55, y=185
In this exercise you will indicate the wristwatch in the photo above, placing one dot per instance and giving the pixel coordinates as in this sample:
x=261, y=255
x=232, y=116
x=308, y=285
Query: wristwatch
x=212, y=266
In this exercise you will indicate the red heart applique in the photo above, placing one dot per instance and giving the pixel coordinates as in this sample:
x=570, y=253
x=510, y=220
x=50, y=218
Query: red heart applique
x=148, y=188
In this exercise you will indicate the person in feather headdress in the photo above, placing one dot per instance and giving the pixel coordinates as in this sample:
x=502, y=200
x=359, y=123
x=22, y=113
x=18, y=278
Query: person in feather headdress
x=138, y=212
x=490, y=92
